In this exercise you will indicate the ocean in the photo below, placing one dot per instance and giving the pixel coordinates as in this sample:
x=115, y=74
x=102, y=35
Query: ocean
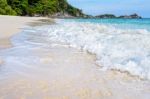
x=119, y=44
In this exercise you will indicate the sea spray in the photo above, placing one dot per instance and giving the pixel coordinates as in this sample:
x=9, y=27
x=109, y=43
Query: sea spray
x=115, y=48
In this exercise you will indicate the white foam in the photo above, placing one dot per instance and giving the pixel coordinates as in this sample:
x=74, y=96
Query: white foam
x=121, y=49
x=125, y=50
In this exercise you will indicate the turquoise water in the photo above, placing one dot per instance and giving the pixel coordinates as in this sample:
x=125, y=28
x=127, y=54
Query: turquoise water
x=37, y=66
x=119, y=44
x=119, y=23
x=122, y=44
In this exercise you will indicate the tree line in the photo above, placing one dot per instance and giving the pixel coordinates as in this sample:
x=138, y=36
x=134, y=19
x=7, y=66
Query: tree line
x=37, y=7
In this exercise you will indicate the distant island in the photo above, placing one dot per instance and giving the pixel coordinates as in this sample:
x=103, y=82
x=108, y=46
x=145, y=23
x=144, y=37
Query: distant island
x=132, y=16
x=50, y=8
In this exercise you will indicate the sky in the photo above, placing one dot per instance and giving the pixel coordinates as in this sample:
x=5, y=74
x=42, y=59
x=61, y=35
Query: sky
x=117, y=7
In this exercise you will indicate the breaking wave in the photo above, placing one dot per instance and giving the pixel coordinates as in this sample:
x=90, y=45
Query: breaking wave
x=115, y=48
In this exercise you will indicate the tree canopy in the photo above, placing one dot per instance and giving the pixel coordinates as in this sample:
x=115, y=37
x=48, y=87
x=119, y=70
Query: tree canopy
x=40, y=7
x=5, y=9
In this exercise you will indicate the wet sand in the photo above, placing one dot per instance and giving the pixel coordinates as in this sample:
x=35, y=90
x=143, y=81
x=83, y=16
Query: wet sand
x=10, y=25
x=67, y=73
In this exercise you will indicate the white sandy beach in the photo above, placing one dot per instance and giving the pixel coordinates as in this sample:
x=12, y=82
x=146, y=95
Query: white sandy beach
x=62, y=73
x=12, y=25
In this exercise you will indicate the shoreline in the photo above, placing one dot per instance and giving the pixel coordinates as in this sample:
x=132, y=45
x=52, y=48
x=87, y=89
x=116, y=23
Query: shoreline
x=71, y=74
x=11, y=25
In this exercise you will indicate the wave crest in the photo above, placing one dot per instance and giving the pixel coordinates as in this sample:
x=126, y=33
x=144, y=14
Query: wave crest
x=121, y=49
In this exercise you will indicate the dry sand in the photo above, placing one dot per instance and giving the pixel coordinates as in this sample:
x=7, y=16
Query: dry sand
x=69, y=74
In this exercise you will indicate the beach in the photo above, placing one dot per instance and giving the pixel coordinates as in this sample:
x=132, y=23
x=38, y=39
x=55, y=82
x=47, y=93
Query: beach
x=9, y=27
x=34, y=67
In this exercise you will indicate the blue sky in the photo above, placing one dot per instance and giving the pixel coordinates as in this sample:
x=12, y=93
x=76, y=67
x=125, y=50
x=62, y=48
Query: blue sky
x=118, y=7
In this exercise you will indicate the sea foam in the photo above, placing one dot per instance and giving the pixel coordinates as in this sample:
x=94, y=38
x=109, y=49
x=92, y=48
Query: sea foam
x=120, y=49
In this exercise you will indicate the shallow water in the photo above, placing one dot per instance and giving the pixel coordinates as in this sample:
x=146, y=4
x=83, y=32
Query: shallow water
x=121, y=44
x=42, y=65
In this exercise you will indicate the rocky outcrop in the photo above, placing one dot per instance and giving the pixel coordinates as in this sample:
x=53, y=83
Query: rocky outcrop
x=61, y=15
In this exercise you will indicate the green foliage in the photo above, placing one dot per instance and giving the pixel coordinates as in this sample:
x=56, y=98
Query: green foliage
x=39, y=7
x=5, y=9
x=31, y=11
x=46, y=7
x=20, y=6
x=106, y=16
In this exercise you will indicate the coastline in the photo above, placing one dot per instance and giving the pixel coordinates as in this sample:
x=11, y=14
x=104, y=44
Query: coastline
x=76, y=77
x=11, y=25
